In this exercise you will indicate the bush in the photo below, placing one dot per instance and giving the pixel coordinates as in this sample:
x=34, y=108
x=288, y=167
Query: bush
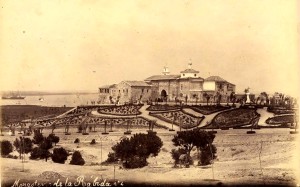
x=93, y=142
x=23, y=145
x=59, y=155
x=77, y=159
x=77, y=140
x=53, y=138
x=6, y=147
x=39, y=153
x=207, y=155
x=38, y=137
x=134, y=151
x=111, y=157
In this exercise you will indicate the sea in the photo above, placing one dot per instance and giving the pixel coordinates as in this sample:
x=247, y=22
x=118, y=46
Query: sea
x=68, y=100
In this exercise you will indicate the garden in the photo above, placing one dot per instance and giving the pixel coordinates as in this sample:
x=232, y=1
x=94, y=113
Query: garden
x=123, y=110
x=209, y=109
x=165, y=107
x=233, y=118
x=179, y=118
x=281, y=120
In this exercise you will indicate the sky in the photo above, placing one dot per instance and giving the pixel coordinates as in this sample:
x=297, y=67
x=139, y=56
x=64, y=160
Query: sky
x=55, y=45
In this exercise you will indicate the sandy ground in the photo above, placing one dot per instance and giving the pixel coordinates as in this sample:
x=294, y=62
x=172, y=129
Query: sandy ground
x=238, y=161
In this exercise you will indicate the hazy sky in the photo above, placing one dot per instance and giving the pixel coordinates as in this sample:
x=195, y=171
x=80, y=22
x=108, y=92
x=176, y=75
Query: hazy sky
x=81, y=45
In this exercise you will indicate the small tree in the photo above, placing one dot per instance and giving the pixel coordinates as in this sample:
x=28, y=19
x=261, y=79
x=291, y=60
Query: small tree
x=208, y=153
x=6, y=147
x=59, y=155
x=54, y=139
x=187, y=140
x=23, y=145
x=135, y=151
x=38, y=137
x=77, y=159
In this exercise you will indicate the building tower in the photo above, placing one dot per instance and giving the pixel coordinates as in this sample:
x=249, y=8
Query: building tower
x=166, y=71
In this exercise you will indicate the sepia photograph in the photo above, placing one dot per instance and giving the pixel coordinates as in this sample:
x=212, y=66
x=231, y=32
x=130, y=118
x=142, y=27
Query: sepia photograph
x=149, y=93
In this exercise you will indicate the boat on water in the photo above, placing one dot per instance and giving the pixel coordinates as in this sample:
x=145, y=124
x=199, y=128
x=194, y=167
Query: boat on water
x=13, y=96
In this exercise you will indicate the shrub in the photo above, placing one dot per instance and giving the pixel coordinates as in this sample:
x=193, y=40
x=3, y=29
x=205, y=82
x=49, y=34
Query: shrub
x=111, y=157
x=194, y=138
x=6, y=147
x=77, y=140
x=23, y=145
x=77, y=159
x=207, y=155
x=134, y=151
x=59, y=155
x=53, y=138
x=93, y=141
x=38, y=137
x=39, y=153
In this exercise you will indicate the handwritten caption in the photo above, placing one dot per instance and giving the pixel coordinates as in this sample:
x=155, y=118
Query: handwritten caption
x=79, y=181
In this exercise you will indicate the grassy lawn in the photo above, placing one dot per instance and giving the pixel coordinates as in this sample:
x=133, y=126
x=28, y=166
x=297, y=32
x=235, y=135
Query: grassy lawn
x=281, y=120
x=13, y=113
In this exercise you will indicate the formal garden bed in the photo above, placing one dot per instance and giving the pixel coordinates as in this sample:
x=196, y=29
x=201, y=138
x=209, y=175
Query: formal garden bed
x=121, y=122
x=179, y=118
x=163, y=107
x=280, y=110
x=283, y=120
x=123, y=110
x=233, y=118
x=208, y=109
x=79, y=110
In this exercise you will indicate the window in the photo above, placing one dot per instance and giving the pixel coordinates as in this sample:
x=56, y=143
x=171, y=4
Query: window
x=183, y=74
x=181, y=86
x=143, y=90
x=195, y=75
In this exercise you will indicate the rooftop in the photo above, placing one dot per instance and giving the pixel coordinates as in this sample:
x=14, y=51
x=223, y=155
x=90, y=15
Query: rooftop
x=215, y=78
x=162, y=77
x=189, y=71
x=137, y=83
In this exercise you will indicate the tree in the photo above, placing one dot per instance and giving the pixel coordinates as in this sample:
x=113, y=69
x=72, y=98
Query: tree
x=38, y=137
x=77, y=159
x=54, y=139
x=207, y=97
x=23, y=145
x=187, y=140
x=6, y=147
x=232, y=98
x=134, y=151
x=42, y=151
x=59, y=155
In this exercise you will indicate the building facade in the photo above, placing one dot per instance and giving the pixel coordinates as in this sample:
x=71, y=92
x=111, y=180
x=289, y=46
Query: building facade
x=186, y=86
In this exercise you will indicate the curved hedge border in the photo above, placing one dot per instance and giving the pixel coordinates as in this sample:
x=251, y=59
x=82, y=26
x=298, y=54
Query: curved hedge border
x=205, y=110
x=122, y=108
x=280, y=110
x=121, y=121
x=163, y=107
x=281, y=119
x=184, y=125
x=234, y=121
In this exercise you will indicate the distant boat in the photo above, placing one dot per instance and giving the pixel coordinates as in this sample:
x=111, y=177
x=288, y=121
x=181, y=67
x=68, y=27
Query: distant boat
x=13, y=96
x=41, y=99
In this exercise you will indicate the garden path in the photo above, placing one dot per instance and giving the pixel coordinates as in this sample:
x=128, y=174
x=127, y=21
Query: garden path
x=145, y=114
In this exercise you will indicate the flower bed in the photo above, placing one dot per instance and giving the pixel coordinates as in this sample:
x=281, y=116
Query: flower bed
x=280, y=110
x=122, y=121
x=162, y=107
x=234, y=118
x=124, y=110
x=208, y=109
x=187, y=120
x=281, y=120
x=85, y=109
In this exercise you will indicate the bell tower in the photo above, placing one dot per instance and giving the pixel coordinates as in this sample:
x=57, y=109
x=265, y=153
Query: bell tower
x=166, y=71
